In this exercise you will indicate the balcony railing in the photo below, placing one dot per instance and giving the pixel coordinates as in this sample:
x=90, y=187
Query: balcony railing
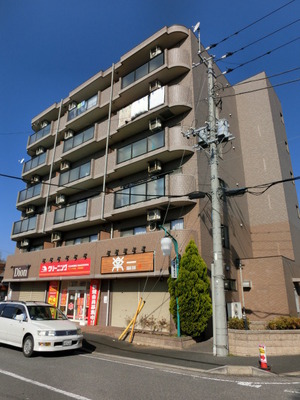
x=40, y=134
x=24, y=225
x=35, y=162
x=70, y=212
x=82, y=107
x=138, y=193
x=78, y=139
x=143, y=70
x=76, y=173
x=30, y=192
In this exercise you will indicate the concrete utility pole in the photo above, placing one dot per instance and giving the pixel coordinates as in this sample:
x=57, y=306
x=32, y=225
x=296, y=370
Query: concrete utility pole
x=221, y=339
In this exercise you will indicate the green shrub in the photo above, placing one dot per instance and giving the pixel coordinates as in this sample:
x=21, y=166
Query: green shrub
x=281, y=323
x=237, y=323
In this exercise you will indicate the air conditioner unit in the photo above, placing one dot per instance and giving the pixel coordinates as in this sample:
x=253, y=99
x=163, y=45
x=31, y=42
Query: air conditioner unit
x=72, y=105
x=30, y=210
x=247, y=284
x=152, y=226
x=153, y=215
x=39, y=150
x=154, y=85
x=68, y=134
x=60, y=199
x=65, y=165
x=36, y=179
x=234, y=310
x=44, y=124
x=154, y=166
x=24, y=243
x=155, y=124
x=55, y=237
x=155, y=51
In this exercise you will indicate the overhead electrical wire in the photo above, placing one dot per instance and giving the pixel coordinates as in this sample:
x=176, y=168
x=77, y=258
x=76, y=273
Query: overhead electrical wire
x=231, y=53
x=229, y=70
x=213, y=45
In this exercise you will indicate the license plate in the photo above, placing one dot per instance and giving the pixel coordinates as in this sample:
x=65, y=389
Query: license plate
x=67, y=343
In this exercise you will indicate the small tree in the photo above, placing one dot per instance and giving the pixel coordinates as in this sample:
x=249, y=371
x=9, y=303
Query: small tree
x=192, y=289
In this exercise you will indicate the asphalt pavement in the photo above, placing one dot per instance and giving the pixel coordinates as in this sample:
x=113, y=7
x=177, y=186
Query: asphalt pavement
x=199, y=356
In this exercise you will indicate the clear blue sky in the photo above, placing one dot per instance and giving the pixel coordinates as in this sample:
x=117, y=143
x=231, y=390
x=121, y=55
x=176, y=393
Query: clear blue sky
x=49, y=47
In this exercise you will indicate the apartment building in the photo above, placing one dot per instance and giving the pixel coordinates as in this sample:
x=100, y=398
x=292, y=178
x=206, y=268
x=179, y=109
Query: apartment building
x=109, y=164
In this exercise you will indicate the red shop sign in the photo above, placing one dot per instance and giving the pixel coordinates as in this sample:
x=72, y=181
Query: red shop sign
x=65, y=268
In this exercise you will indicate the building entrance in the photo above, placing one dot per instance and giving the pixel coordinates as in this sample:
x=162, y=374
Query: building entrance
x=74, y=303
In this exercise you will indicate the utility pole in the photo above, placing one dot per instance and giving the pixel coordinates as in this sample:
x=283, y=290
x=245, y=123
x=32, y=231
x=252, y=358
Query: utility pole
x=221, y=339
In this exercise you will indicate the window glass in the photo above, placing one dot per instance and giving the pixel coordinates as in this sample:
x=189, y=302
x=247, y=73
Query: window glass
x=92, y=101
x=141, y=71
x=156, y=62
x=22, y=195
x=78, y=139
x=70, y=212
x=17, y=227
x=37, y=189
x=122, y=198
x=73, y=174
x=156, y=141
x=81, y=209
x=126, y=232
x=176, y=224
x=64, y=178
x=31, y=223
x=124, y=154
x=128, y=79
x=139, y=230
x=59, y=216
x=68, y=144
x=9, y=311
x=34, y=162
x=138, y=193
x=94, y=238
x=139, y=148
x=85, y=170
x=69, y=242
x=88, y=134
x=155, y=188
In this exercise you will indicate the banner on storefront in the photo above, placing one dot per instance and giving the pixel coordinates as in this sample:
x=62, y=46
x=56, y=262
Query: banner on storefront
x=53, y=293
x=94, y=302
x=141, y=262
x=65, y=268
x=21, y=271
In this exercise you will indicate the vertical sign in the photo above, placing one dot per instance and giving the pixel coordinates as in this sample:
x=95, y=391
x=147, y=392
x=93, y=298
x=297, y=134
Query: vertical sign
x=94, y=302
x=53, y=293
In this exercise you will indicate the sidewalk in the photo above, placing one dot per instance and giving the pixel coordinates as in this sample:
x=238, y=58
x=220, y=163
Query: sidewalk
x=185, y=353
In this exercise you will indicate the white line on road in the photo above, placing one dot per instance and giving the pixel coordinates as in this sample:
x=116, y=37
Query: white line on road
x=53, y=389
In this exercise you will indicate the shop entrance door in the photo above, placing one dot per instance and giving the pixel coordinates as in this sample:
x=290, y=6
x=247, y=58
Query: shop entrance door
x=76, y=304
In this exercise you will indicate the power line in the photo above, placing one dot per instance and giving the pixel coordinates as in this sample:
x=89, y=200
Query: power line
x=231, y=53
x=248, y=26
x=229, y=70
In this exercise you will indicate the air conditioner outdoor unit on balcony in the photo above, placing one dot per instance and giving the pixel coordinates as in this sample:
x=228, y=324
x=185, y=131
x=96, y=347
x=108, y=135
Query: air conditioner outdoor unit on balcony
x=36, y=179
x=39, y=150
x=152, y=226
x=72, y=105
x=30, y=210
x=153, y=215
x=247, y=284
x=44, y=124
x=155, y=51
x=68, y=134
x=55, y=237
x=154, y=85
x=24, y=243
x=154, y=166
x=65, y=165
x=155, y=124
x=60, y=199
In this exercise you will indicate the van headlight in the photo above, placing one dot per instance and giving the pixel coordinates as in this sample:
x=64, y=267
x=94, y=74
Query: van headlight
x=46, y=333
x=79, y=331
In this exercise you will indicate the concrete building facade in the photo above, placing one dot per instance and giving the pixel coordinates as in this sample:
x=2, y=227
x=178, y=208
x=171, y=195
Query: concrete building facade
x=109, y=164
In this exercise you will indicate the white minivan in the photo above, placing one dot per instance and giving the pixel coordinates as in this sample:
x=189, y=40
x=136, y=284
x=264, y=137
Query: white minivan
x=36, y=326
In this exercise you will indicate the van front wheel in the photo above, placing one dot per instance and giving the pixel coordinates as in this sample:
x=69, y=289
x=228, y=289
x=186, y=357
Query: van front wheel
x=28, y=346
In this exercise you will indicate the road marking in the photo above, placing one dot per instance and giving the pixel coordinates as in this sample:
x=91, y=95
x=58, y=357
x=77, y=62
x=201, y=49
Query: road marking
x=116, y=361
x=53, y=389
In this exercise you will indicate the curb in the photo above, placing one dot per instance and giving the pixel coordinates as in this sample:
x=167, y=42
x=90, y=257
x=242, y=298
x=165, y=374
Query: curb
x=239, y=370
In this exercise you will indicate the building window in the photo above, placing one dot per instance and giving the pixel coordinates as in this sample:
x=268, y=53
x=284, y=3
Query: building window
x=225, y=236
x=230, y=284
x=75, y=174
x=143, y=70
x=78, y=139
x=143, y=146
x=176, y=224
x=139, y=230
x=143, y=192
x=70, y=212
x=80, y=240
x=24, y=225
x=82, y=107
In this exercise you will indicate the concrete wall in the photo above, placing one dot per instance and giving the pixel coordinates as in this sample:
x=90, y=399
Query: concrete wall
x=278, y=343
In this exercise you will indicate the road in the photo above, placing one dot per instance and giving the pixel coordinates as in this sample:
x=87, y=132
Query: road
x=96, y=376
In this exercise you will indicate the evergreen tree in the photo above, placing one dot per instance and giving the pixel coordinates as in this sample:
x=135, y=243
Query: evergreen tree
x=192, y=289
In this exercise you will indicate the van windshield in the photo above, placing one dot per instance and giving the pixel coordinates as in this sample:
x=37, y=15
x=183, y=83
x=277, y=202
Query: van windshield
x=45, y=313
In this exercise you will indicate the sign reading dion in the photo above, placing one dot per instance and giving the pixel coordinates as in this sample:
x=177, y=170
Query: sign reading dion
x=142, y=262
x=21, y=272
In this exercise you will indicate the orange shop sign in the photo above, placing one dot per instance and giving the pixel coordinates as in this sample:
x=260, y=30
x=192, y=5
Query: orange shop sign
x=141, y=262
x=65, y=268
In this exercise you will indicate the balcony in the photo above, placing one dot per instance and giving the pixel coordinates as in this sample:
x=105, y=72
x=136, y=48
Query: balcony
x=35, y=137
x=24, y=226
x=34, y=163
x=29, y=193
